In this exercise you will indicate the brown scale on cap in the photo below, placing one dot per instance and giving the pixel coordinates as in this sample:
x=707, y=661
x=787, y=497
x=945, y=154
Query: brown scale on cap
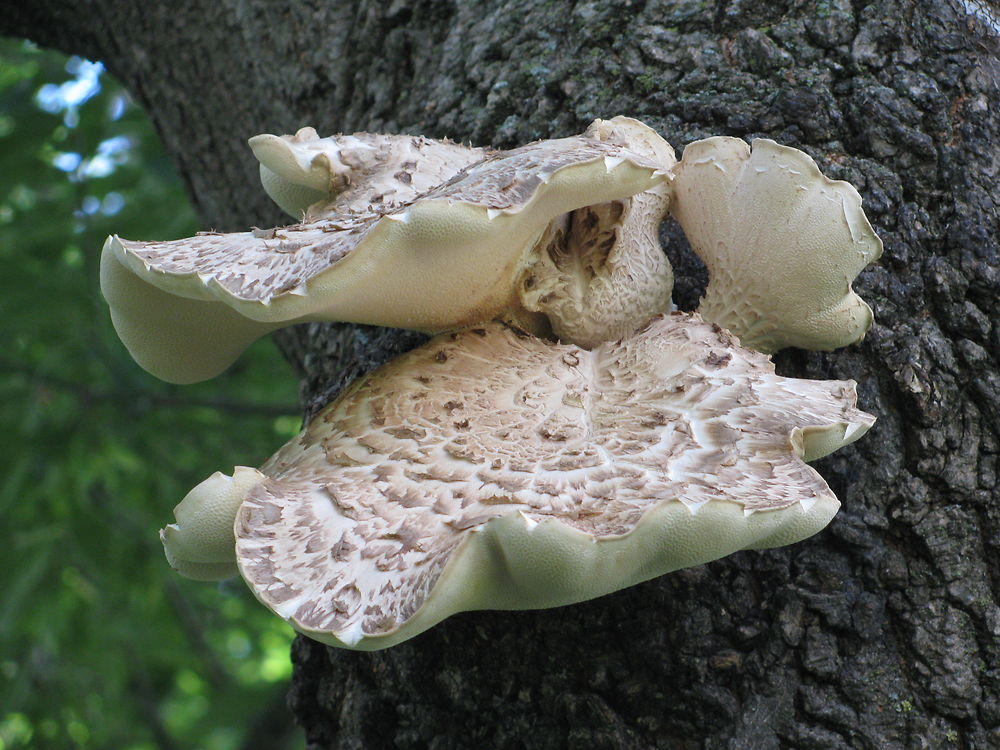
x=321, y=177
x=261, y=264
x=451, y=257
x=511, y=459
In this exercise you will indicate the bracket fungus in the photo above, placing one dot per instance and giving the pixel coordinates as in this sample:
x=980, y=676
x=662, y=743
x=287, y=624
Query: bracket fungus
x=782, y=243
x=451, y=257
x=489, y=469
x=558, y=237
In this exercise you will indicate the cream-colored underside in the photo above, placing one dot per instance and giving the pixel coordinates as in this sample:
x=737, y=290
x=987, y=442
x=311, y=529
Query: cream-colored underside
x=781, y=241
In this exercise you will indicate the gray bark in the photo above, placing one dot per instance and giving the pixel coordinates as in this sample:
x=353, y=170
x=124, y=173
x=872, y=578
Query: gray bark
x=881, y=632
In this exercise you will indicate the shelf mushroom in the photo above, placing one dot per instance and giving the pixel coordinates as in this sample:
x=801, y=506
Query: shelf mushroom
x=782, y=243
x=489, y=469
x=596, y=273
x=462, y=253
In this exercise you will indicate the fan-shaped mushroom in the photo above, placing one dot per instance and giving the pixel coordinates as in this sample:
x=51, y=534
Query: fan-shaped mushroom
x=493, y=470
x=782, y=243
x=451, y=258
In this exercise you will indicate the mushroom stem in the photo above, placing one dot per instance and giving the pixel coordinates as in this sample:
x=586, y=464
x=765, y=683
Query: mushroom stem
x=598, y=273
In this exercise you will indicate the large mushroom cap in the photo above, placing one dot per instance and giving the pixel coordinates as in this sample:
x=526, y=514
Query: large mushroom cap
x=449, y=259
x=492, y=470
x=782, y=243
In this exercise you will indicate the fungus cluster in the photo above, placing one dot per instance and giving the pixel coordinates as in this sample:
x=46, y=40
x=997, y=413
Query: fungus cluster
x=565, y=435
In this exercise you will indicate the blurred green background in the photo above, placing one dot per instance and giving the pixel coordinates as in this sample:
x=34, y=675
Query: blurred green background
x=101, y=645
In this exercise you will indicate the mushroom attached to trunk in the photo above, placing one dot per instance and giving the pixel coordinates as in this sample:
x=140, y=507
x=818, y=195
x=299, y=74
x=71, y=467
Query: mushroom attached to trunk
x=782, y=243
x=488, y=469
x=451, y=258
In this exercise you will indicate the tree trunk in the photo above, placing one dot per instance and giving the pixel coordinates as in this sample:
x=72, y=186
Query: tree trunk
x=881, y=632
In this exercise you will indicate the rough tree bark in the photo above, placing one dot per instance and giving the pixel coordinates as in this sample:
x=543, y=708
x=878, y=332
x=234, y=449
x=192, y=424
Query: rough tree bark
x=883, y=631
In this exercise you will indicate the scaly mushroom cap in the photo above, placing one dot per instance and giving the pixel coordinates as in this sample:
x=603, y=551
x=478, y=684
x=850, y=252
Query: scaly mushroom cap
x=782, y=243
x=493, y=470
x=450, y=259
x=599, y=272
x=354, y=173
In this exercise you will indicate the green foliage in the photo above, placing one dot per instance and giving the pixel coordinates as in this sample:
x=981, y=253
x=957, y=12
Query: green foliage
x=101, y=645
